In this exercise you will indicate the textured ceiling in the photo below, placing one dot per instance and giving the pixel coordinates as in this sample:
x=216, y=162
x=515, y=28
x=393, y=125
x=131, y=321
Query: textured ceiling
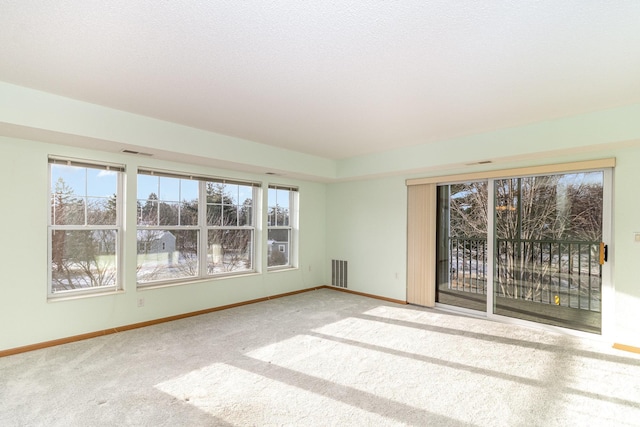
x=331, y=78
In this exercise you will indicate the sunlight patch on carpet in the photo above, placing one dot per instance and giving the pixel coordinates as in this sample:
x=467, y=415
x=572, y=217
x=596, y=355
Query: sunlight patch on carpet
x=240, y=397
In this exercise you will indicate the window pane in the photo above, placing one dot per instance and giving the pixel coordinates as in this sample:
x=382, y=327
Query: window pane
x=278, y=247
x=546, y=252
x=283, y=198
x=282, y=216
x=230, y=251
x=83, y=196
x=272, y=197
x=230, y=214
x=67, y=210
x=189, y=190
x=83, y=259
x=506, y=199
x=167, y=255
x=245, y=215
x=461, y=250
x=101, y=183
x=245, y=194
x=189, y=213
x=169, y=189
x=215, y=192
x=214, y=214
x=278, y=207
x=168, y=213
x=220, y=199
x=147, y=185
x=283, y=207
x=231, y=192
x=271, y=217
x=148, y=212
x=73, y=188
x=167, y=201
x=101, y=211
x=68, y=180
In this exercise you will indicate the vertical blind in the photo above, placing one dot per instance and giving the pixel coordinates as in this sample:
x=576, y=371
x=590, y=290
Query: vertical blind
x=421, y=244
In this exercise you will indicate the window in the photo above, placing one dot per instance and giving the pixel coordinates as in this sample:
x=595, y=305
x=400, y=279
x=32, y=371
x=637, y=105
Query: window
x=522, y=243
x=281, y=218
x=230, y=227
x=167, y=228
x=84, y=226
x=193, y=227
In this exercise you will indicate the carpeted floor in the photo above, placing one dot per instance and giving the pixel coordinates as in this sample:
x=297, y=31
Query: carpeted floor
x=323, y=358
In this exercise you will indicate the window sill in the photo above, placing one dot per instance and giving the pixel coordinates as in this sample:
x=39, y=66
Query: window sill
x=196, y=280
x=83, y=294
x=281, y=268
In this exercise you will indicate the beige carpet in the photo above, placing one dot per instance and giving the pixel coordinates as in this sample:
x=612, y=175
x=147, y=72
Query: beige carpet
x=323, y=358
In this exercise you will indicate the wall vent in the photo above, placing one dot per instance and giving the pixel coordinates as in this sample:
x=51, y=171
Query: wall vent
x=339, y=273
x=137, y=153
x=482, y=162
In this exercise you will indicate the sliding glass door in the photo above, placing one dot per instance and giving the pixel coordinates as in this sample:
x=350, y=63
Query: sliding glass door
x=525, y=247
x=548, y=231
x=461, y=251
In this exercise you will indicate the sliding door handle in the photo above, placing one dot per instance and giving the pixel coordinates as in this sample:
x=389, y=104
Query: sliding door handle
x=604, y=253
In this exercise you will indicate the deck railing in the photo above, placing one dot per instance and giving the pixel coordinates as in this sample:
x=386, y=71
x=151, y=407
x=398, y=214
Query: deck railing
x=468, y=265
x=556, y=272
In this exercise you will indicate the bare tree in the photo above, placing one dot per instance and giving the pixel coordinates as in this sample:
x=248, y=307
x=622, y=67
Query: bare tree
x=82, y=258
x=229, y=244
x=537, y=219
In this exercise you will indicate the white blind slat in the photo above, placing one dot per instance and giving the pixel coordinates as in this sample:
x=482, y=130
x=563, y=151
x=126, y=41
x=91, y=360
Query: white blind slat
x=170, y=174
x=282, y=187
x=86, y=164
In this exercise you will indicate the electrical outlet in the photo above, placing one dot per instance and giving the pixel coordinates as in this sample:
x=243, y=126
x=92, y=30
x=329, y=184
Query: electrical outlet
x=140, y=302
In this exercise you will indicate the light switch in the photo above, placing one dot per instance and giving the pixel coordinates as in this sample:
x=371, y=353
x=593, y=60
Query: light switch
x=636, y=237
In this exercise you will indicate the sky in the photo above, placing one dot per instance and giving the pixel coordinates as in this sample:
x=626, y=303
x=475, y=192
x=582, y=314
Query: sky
x=85, y=181
x=103, y=183
x=167, y=189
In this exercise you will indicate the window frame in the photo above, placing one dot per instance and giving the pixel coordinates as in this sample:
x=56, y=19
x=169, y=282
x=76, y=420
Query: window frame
x=246, y=227
x=120, y=170
x=427, y=240
x=174, y=229
x=291, y=249
x=203, y=228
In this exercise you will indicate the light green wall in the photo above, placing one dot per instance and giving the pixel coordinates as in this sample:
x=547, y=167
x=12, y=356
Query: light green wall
x=33, y=109
x=362, y=220
x=28, y=317
x=366, y=225
x=577, y=136
x=626, y=255
x=367, y=228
